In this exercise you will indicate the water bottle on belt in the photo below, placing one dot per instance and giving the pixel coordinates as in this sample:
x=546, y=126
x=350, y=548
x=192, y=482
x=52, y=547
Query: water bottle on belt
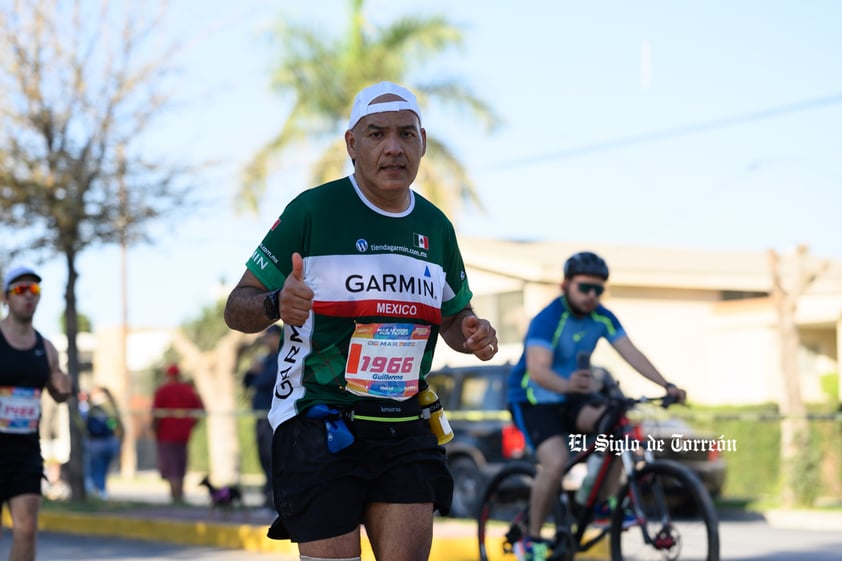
x=432, y=411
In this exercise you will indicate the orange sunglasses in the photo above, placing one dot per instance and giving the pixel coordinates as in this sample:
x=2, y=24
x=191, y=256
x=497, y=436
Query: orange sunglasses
x=19, y=289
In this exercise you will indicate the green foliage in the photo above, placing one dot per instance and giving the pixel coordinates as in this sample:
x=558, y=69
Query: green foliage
x=84, y=325
x=209, y=327
x=753, y=471
x=830, y=387
x=807, y=469
x=249, y=461
x=198, y=447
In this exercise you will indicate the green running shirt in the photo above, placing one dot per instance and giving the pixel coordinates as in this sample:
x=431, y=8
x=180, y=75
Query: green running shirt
x=364, y=265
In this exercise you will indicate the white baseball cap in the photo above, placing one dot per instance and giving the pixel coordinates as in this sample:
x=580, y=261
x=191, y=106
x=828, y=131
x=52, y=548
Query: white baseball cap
x=15, y=273
x=363, y=105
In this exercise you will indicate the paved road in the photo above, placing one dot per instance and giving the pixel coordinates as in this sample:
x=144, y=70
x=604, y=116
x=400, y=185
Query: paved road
x=758, y=541
x=773, y=536
x=742, y=540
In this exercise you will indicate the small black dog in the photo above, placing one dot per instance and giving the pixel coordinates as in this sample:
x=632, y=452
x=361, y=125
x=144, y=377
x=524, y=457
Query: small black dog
x=223, y=497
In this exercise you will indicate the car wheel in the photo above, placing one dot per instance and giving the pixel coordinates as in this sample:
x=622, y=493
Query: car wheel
x=468, y=485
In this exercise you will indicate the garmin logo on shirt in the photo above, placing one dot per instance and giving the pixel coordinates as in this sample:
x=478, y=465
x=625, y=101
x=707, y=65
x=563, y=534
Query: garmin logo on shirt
x=391, y=283
x=262, y=256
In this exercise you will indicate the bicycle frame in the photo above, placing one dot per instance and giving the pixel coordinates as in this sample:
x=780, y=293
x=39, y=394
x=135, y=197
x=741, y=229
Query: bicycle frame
x=645, y=493
x=630, y=459
x=585, y=516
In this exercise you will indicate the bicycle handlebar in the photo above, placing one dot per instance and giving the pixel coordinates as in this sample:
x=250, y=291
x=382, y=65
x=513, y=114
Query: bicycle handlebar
x=612, y=385
x=629, y=402
x=668, y=400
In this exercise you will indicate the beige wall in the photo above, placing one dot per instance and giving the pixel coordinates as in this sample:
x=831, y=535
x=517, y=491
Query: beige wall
x=669, y=328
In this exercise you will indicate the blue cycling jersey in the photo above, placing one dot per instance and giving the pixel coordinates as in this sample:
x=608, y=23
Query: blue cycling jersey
x=558, y=329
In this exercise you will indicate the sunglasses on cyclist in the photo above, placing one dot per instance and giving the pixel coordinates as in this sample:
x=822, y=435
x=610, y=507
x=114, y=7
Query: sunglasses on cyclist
x=588, y=287
x=20, y=289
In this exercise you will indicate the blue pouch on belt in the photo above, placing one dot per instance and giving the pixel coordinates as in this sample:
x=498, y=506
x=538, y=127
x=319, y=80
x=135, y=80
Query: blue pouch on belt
x=339, y=436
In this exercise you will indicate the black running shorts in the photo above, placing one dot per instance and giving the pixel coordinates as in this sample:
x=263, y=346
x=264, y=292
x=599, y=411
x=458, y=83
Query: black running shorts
x=320, y=495
x=20, y=476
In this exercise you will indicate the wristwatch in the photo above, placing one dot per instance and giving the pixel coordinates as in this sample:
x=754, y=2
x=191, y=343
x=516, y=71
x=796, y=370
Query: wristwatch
x=271, y=307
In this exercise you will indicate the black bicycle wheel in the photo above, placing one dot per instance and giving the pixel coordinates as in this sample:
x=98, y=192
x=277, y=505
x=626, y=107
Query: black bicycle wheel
x=503, y=515
x=674, y=517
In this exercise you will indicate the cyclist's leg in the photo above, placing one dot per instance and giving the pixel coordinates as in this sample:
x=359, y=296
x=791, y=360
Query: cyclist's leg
x=552, y=457
x=598, y=418
x=545, y=427
x=592, y=415
x=588, y=416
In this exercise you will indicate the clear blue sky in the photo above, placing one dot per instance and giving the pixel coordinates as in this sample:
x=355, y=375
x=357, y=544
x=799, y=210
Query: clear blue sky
x=584, y=89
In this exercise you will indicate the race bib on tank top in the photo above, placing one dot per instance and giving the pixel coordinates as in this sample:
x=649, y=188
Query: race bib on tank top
x=20, y=409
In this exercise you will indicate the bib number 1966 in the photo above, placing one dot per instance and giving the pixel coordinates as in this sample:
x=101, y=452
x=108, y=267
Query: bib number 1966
x=384, y=359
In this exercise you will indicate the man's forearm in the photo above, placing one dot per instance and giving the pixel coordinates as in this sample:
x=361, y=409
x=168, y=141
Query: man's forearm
x=549, y=380
x=244, y=310
x=60, y=387
x=452, y=334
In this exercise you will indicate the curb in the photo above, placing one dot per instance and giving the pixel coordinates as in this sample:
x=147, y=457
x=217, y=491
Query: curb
x=230, y=536
x=452, y=541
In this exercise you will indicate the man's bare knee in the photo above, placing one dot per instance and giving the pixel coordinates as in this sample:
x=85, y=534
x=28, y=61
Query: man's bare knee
x=25, y=532
x=589, y=417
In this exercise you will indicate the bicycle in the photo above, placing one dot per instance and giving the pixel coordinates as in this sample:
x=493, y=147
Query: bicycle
x=662, y=511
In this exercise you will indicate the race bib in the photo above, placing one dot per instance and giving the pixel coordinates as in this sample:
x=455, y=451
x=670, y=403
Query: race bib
x=384, y=359
x=20, y=409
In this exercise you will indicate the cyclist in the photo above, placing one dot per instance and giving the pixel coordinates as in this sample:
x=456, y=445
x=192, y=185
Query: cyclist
x=550, y=396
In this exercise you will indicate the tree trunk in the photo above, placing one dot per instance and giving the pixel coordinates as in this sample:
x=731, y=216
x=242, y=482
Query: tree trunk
x=794, y=429
x=216, y=381
x=223, y=439
x=76, y=465
x=795, y=433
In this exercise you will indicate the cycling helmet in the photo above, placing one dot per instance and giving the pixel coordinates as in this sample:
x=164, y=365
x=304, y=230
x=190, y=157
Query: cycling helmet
x=586, y=263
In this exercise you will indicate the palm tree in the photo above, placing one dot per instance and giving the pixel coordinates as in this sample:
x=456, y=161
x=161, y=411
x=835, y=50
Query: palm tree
x=324, y=75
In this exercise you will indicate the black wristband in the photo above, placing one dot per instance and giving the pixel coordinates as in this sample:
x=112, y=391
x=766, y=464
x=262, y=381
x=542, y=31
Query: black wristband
x=271, y=305
x=669, y=385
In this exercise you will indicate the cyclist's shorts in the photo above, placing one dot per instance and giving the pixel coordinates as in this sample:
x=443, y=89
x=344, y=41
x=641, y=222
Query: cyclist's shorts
x=544, y=420
x=319, y=494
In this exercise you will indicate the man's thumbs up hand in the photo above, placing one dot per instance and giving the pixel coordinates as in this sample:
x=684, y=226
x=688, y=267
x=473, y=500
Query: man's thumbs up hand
x=296, y=298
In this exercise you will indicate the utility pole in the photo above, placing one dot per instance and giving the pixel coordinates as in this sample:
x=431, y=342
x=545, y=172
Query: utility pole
x=128, y=452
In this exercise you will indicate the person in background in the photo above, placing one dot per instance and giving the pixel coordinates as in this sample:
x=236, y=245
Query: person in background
x=551, y=391
x=55, y=447
x=175, y=409
x=260, y=378
x=104, y=431
x=28, y=365
x=366, y=275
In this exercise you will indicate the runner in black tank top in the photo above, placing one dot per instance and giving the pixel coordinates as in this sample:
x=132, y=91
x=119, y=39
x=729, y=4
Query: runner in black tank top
x=28, y=365
x=26, y=369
